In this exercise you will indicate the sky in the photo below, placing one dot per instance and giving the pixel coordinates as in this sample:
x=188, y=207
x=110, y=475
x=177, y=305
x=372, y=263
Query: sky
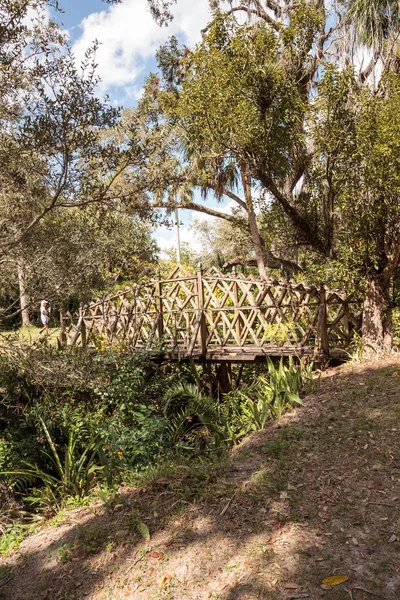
x=129, y=39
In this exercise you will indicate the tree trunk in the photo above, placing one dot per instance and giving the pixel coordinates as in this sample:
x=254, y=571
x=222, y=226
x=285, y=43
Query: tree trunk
x=257, y=240
x=377, y=321
x=23, y=296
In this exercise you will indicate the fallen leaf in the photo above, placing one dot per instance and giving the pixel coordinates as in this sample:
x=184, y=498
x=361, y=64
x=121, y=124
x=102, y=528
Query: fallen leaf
x=164, y=580
x=393, y=538
x=144, y=531
x=156, y=554
x=335, y=580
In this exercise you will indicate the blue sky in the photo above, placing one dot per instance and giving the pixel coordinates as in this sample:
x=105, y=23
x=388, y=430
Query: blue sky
x=128, y=39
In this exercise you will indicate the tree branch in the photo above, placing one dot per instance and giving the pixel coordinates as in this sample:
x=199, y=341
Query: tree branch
x=363, y=76
x=200, y=208
x=298, y=221
x=229, y=194
x=258, y=11
x=271, y=261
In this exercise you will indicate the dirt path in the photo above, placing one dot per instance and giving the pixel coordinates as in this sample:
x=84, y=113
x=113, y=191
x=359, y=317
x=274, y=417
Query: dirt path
x=314, y=495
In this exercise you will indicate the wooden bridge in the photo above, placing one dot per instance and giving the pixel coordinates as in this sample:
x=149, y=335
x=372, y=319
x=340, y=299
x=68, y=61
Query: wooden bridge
x=212, y=317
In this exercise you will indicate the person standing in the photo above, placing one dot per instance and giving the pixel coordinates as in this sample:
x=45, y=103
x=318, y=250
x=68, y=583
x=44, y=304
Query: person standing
x=44, y=316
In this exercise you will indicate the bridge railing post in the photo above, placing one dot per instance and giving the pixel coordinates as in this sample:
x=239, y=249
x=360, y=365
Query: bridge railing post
x=83, y=325
x=346, y=322
x=200, y=295
x=159, y=304
x=237, y=314
x=63, y=332
x=322, y=338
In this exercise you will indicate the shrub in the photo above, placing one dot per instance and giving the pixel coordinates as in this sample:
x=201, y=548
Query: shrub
x=250, y=408
x=190, y=414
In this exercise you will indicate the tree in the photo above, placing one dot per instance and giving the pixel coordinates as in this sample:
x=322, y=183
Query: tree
x=73, y=254
x=357, y=172
x=244, y=107
x=223, y=244
x=52, y=151
x=54, y=154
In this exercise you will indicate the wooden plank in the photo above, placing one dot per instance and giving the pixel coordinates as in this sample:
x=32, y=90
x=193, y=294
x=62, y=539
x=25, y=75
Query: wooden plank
x=201, y=303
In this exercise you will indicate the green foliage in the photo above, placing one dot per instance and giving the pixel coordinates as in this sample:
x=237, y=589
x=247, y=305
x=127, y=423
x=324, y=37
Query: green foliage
x=357, y=136
x=374, y=20
x=72, y=474
x=239, y=94
x=144, y=531
x=103, y=419
x=5, y=572
x=132, y=448
x=64, y=553
x=12, y=538
x=98, y=416
x=91, y=538
x=187, y=410
x=252, y=407
x=396, y=324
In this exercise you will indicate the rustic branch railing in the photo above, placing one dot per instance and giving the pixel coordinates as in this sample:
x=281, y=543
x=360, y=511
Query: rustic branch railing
x=218, y=317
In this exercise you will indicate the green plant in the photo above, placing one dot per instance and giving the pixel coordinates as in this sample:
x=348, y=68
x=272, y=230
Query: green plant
x=71, y=476
x=112, y=500
x=357, y=349
x=188, y=411
x=265, y=399
x=11, y=539
x=91, y=538
x=282, y=389
x=64, y=553
x=5, y=572
x=129, y=449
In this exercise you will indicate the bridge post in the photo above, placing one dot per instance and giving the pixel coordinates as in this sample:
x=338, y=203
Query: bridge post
x=322, y=338
x=238, y=317
x=200, y=295
x=63, y=333
x=159, y=303
x=83, y=325
x=346, y=322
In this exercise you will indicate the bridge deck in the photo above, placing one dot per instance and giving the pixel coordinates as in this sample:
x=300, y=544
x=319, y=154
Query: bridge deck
x=234, y=354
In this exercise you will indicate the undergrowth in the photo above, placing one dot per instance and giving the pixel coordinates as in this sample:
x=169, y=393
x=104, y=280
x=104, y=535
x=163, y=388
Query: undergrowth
x=73, y=422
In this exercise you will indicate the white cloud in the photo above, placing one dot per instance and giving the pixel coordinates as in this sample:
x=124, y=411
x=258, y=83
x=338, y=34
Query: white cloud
x=129, y=37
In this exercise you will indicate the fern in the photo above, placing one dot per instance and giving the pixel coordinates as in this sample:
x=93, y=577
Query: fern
x=186, y=410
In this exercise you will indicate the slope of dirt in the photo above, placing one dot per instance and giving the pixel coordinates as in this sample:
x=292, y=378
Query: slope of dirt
x=314, y=495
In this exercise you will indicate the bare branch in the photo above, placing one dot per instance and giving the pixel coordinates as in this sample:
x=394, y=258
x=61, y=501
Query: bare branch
x=200, y=208
x=230, y=195
x=271, y=262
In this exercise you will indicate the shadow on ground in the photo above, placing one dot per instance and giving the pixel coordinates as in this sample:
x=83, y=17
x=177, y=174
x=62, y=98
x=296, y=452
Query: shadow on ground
x=312, y=496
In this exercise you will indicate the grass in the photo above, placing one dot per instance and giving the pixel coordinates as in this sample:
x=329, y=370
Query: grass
x=91, y=538
x=29, y=335
x=5, y=572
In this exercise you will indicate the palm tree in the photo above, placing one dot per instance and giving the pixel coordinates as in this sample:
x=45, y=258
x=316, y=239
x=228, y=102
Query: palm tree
x=375, y=21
